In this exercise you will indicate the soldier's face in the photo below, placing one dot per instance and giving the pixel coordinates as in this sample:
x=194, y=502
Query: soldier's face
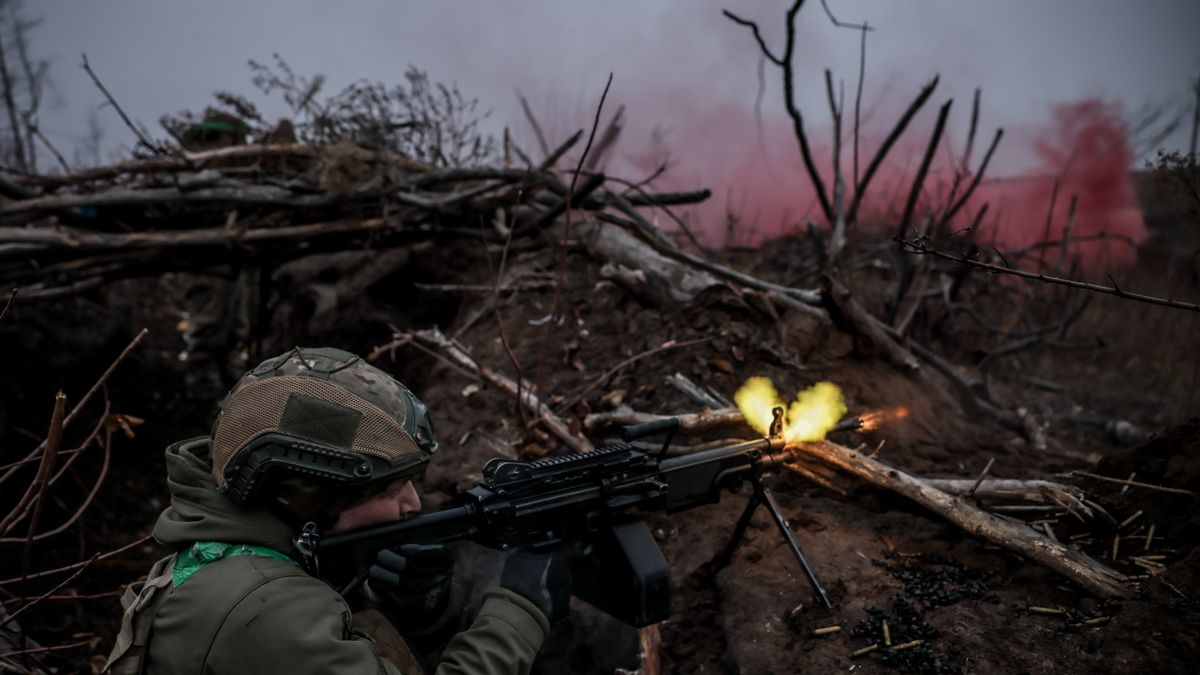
x=395, y=503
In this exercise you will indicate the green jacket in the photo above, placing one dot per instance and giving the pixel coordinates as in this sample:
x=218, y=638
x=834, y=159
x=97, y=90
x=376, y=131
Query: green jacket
x=255, y=614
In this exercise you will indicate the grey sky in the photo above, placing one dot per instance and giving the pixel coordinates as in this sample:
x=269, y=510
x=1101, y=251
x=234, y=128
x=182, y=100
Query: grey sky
x=671, y=60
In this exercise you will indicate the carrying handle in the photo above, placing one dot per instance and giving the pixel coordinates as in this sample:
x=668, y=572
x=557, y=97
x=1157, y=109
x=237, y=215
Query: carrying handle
x=633, y=433
x=669, y=425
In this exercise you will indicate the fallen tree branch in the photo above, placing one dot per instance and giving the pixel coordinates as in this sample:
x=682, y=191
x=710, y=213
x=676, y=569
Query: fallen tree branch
x=205, y=236
x=690, y=423
x=1131, y=483
x=1080, y=569
x=919, y=247
x=457, y=353
x=843, y=306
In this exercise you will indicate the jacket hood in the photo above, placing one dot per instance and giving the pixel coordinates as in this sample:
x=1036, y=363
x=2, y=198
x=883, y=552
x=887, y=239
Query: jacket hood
x=198, y=512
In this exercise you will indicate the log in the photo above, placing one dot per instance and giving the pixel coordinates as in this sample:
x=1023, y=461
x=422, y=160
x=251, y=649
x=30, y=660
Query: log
x=843, y=307
x=62, y=237
x=691, y=423
x=668, y=281
x=1079, y=568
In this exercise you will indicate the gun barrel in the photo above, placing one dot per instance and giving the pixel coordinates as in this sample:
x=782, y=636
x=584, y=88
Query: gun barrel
x=767, y=453
x=430, y=528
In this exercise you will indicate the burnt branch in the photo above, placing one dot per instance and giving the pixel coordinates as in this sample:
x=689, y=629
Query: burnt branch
x=917, y=245
x=897, y=131
x=533, y=124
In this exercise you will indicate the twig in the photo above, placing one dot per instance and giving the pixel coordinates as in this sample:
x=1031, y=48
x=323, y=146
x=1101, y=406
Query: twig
x=987, y=158
x=862, y=72
x=666, y=346
x=789, y=96
x=982, y=475
x=87, y=396
x=49, y=450
x=405, y=340
x=528, y=399
x=68, y=568
x=840, y=24
x=560, y=151
x=897, y=131
x=62, y=161
x=145, y=142
x=566, y=238
x=65, y=597
x=64, y=582
x=919, y=180
x=533, y=123
x=837, y=235
x=43, y=650
x=497, y=272
x=1133, y=483
x=49, y=455
x=919, y=247
x=906, y=275
x=11, y=297
x=91, y=496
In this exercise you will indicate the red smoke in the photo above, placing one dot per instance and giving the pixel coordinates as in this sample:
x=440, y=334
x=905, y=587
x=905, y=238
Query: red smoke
x=1086, y=150
x=760, y=186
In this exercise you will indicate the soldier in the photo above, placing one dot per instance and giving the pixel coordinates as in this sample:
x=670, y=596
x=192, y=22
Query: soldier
x=316, y=438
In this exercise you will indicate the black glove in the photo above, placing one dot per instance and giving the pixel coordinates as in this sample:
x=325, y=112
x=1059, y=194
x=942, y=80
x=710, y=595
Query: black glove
x=416, y=579
x=543, y=578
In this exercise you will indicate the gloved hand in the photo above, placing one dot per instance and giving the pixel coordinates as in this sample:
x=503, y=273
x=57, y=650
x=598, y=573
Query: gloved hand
x=543, y=578
x=415, y=578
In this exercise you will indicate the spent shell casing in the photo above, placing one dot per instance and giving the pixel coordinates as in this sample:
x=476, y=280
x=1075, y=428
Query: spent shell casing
x=1137, y=514
x=864, y=651
x=1125, y=488
x=908, y=645
x=826, y=630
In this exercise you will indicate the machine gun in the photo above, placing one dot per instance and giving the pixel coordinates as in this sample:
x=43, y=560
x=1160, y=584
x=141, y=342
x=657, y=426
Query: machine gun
x=593, y=499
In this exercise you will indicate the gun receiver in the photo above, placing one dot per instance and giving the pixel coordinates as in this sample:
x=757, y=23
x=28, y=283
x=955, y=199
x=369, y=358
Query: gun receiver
x=595, y=499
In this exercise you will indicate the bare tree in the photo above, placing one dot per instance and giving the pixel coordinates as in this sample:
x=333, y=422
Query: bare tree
x=22, y=79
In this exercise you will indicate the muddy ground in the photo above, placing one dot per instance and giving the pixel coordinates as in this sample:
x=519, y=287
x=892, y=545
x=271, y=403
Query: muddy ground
x=881, y=557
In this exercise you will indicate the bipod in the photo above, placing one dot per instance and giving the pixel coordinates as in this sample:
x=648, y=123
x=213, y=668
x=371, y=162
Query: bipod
x=762, y=497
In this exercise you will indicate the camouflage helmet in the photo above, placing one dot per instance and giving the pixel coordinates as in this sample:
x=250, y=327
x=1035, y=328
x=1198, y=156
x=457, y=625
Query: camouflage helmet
x=318, y=414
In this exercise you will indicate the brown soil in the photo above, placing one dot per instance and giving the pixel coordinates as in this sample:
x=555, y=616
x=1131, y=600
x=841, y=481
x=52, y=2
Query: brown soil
x=881, y=558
